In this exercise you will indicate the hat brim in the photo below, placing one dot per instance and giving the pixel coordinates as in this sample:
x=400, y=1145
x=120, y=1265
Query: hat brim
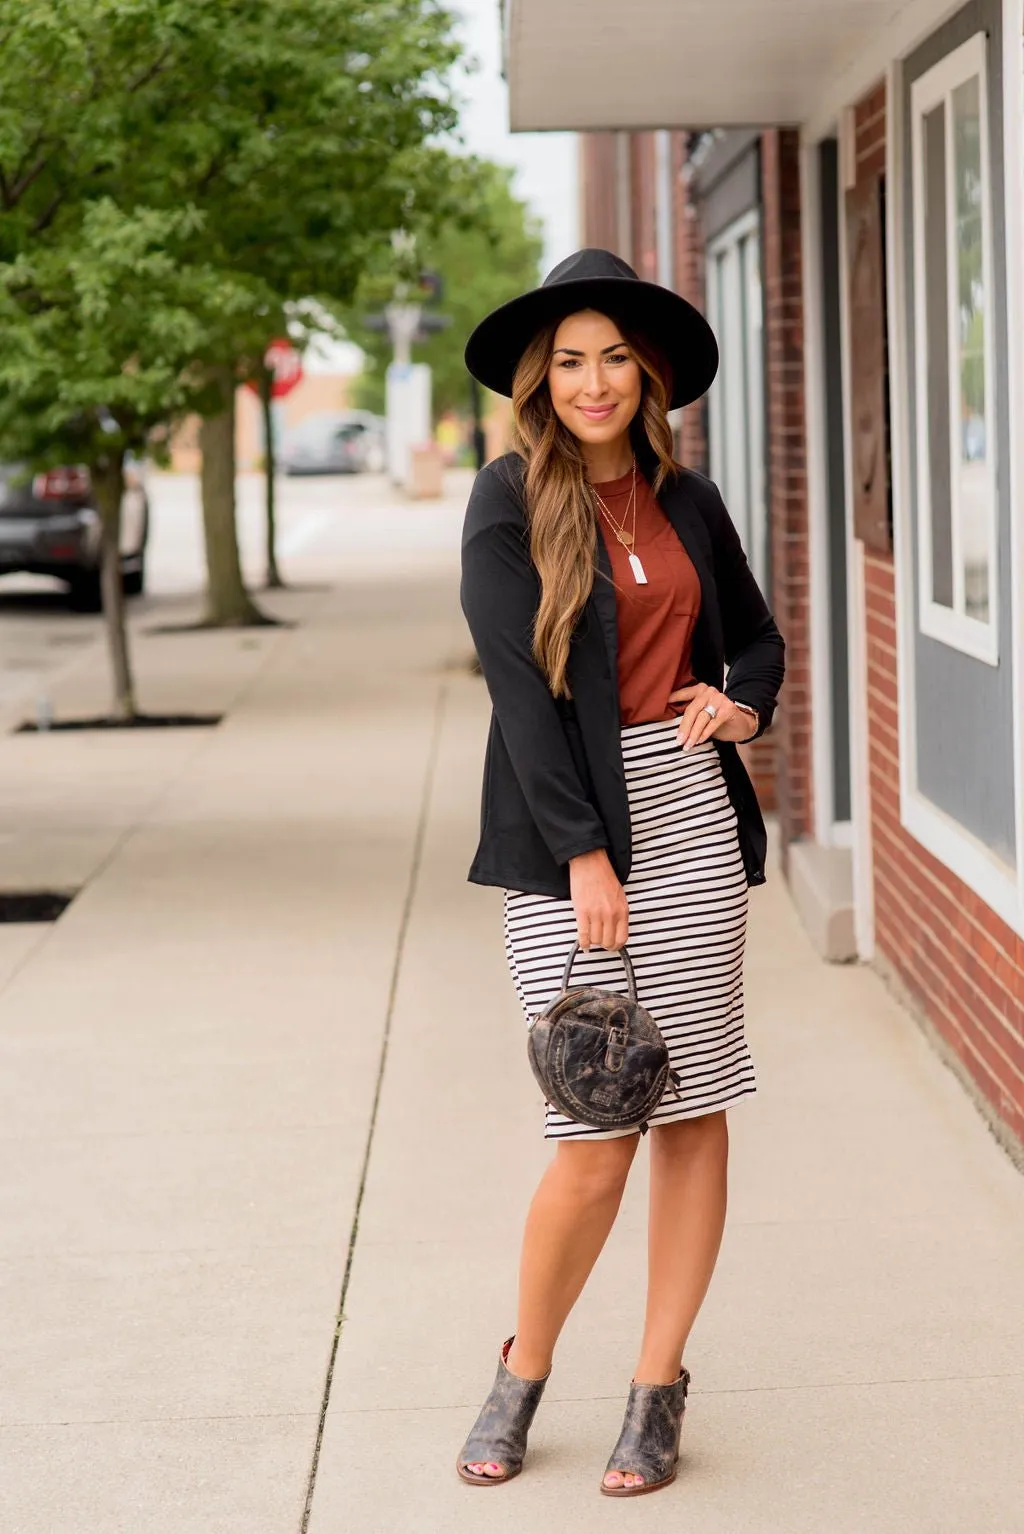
x=678, y=330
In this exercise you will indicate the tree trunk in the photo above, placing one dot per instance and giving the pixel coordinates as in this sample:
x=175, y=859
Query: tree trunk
x=274, y=580
x=228, y=604
x=108, y=484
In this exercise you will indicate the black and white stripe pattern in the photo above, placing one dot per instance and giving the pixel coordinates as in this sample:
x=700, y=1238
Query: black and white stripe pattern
x=687, y=896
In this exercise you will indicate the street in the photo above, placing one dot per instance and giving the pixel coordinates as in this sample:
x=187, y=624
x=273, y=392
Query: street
x=269, y=1066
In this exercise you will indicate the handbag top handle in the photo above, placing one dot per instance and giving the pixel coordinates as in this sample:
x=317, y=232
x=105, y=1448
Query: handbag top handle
x=627, y=965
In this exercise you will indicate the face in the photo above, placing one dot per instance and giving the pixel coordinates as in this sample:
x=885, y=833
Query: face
x=594, y=378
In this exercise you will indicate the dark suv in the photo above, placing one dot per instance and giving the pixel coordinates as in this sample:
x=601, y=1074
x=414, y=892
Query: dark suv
x=49, y=525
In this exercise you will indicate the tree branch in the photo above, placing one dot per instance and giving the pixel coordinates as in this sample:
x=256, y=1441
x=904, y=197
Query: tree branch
x=23, y=178
x=156, y=68
x=26, y=180
x=47, y=217
x=211, y=173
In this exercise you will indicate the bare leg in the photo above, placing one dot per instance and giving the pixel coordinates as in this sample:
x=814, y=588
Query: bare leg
x=572, y=1212
x=689, y=1163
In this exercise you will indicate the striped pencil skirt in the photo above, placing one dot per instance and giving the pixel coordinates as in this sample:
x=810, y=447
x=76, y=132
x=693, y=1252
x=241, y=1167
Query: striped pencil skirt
x=687, y=893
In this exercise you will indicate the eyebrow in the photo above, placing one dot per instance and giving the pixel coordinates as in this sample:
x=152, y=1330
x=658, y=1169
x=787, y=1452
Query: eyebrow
x=616, y=346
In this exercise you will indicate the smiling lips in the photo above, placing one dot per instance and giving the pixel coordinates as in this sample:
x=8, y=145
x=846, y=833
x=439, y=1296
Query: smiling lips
x=596, y=412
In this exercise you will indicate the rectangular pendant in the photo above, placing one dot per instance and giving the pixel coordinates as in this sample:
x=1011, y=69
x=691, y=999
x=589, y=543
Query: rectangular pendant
x=639, y=574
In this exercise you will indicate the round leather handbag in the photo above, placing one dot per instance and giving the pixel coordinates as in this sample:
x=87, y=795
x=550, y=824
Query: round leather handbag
x=599, y=1057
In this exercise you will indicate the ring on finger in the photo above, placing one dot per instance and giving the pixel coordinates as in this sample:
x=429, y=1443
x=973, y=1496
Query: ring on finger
x=710, y=710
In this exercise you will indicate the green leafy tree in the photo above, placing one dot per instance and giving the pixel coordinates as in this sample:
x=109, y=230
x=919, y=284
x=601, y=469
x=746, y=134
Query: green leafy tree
x=105, y=306
x=486, y=249
x=296, y=132
x=98, y=331
x=301, y=135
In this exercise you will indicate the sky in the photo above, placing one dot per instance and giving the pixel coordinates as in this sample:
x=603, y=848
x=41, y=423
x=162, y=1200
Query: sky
x=545, y=163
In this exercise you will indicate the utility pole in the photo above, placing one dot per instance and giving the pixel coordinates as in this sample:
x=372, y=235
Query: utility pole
x=408, y=413
x=403, y=321
x=408, y=391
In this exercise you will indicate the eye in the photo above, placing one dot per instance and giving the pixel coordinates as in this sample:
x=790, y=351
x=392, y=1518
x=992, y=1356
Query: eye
x=619, y=357
x=569, y=362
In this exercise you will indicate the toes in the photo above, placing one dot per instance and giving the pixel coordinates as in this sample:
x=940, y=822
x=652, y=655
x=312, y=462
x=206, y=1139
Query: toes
x=622, y=1478
x=493, y=1469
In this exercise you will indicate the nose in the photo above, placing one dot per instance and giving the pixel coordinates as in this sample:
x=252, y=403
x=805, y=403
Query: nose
x=594, y=383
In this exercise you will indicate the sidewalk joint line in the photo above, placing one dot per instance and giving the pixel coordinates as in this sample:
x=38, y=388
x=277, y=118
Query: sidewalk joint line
x=419, y=840
x=708, y=1393
x=10, y=1425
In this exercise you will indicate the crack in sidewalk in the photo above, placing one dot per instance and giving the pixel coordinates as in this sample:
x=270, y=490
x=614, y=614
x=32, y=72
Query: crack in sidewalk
x=403, y=927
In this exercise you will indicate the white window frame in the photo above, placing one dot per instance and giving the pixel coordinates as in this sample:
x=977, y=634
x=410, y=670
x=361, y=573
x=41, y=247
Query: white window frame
x=952, y=626
x=828, y=831
x=747, y=226
x=965, y=855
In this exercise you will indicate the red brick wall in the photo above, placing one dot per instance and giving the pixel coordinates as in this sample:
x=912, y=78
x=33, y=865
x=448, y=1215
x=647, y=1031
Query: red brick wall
x=869, y=133
x=644, y=205
x=688, y=266
x=962, y=967
x=598, y=223
x=787, y=476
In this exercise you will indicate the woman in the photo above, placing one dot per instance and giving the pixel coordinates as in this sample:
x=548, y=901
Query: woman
x=606, y=591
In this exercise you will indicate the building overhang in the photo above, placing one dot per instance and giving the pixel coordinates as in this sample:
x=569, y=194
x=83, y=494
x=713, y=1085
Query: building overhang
x=635, y=64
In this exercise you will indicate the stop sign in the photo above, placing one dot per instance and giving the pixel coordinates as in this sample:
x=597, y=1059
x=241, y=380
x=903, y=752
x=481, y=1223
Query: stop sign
x=285, y=363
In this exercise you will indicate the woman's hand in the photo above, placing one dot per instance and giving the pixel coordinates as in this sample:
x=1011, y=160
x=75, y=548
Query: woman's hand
x=602, y=911
x=696, y=724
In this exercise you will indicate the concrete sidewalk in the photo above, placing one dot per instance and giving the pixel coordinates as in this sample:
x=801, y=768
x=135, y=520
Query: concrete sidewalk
x=271, y=1052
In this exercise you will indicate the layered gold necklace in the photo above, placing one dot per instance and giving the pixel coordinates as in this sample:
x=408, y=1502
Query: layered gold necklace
x=627, y=540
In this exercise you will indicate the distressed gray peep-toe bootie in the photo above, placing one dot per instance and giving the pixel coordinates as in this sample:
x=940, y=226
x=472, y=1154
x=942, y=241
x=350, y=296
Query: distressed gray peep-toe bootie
x=649, y=1442
x=499, y=1433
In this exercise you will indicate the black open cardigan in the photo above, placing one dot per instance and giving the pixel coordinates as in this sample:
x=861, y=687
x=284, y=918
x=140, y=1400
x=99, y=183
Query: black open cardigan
x=554, y=783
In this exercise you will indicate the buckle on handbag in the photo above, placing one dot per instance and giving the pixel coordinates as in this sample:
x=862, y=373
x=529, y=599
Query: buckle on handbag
x=615, y=1054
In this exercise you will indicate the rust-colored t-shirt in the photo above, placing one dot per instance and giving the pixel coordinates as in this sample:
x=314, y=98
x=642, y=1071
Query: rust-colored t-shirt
x=656, y=621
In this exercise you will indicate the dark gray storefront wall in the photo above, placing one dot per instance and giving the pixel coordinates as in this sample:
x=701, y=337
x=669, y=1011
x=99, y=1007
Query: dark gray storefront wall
x=727, y=181
x=726, y=185
x=963, y=707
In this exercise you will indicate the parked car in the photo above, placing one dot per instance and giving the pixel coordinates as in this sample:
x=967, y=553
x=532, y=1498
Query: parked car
x=341, y=442
x=49, y=525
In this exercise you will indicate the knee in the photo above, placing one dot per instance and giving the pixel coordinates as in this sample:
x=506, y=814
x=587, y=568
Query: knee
x=597, y=1173
x=704, y=1136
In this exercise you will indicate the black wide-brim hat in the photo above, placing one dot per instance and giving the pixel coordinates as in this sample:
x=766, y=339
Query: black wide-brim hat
x=597, y=279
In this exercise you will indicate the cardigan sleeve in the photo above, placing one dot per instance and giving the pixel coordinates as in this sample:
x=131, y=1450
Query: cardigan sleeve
x=500, y=592
x=754, y=648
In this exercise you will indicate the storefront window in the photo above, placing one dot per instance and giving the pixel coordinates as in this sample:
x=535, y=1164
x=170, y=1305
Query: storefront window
x=737, y=398
x=957, y=504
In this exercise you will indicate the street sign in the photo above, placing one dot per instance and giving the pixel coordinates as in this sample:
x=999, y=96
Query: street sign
x=430, y=287
x=427, y=325
x=285, y=362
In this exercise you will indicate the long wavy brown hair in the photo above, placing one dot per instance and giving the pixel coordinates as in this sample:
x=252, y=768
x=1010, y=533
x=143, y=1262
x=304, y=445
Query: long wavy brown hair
x=560, y=504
